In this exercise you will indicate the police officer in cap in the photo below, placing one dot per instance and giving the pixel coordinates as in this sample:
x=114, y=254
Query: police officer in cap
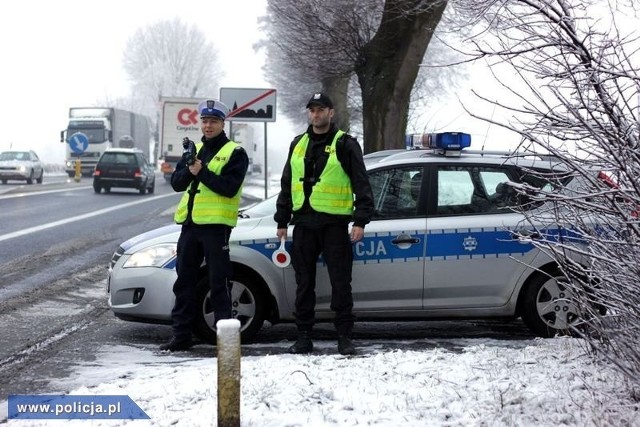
x=208, y=210
x=324, y=187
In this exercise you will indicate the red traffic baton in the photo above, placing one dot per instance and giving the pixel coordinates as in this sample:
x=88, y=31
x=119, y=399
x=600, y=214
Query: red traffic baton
x=281, y=257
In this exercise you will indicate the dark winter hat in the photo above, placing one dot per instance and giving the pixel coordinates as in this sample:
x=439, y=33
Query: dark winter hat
x=213, y=108
x=320, y=99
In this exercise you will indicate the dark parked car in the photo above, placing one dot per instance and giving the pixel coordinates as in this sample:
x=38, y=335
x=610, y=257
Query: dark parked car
x=124, y=168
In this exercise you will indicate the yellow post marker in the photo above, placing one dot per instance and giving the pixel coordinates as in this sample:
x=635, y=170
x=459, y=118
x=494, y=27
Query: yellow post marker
x=78, y=170
x=228, y=345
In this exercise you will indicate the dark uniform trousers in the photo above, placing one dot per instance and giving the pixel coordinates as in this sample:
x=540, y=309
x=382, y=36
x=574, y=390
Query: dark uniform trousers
x=333, y=242
x=211, y=243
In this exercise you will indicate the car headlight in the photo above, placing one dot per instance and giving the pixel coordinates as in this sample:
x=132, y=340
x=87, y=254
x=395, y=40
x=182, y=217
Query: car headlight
x=153, y=256
x=22, y=168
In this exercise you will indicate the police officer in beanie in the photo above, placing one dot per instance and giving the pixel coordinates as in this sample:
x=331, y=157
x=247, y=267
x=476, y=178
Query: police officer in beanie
x=207, y=211
x=323, y=173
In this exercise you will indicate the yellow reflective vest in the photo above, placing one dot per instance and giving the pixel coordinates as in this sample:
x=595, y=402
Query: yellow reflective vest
x=210, y=207
x=332, y=193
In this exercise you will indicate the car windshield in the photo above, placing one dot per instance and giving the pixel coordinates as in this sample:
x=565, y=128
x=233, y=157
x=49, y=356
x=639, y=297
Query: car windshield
x=13, y=155
x=261, y=209
x=121, y=158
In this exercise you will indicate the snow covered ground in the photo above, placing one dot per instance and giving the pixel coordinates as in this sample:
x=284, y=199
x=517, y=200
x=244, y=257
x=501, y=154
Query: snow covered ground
x=477, y=382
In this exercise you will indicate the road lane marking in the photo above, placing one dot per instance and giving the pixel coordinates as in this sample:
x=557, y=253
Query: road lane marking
x=77, y=218
x=35, y=193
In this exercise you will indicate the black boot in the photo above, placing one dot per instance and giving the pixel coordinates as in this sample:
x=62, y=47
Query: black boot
x=303, y=344
x=345, y=345
x=177, y=344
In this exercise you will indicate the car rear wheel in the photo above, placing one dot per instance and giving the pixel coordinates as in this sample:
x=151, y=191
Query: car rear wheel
x=549, y=307
x=152, y=188
x=96, y=188
x=248, y=305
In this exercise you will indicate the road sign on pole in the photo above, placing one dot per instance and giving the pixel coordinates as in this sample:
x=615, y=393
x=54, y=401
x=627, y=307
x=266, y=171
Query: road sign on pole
x=78, y=142
x=249, y=105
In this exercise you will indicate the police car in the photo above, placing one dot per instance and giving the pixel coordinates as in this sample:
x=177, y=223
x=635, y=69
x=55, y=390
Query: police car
x=445, y=242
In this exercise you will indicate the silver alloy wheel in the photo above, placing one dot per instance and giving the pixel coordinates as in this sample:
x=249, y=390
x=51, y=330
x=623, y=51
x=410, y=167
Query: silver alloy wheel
x=556, y=305
x=243, y=306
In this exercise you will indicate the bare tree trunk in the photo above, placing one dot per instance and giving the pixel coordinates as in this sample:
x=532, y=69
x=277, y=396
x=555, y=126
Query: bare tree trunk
x=336, y=88
x=388, y=68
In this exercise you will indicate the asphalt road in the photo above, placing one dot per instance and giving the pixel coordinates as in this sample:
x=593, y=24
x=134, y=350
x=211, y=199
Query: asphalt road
x=55, y=243
x=56, y=240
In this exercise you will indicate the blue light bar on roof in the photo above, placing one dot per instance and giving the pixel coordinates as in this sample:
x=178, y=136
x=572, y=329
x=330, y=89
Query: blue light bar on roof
x=449, y=140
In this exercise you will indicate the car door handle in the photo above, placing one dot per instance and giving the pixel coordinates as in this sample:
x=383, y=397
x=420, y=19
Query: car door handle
x=410, y=240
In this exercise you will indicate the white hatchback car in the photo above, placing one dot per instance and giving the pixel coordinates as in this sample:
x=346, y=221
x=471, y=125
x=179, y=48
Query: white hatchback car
x=21, y=165
x=444, y=243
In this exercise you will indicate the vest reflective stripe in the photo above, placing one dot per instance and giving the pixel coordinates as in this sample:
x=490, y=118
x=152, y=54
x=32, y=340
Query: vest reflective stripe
x=332, y=193
x=210, y=207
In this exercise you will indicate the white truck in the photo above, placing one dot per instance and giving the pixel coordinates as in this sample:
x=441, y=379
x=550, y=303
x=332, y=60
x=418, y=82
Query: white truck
x=179, y=118
x=91, y=130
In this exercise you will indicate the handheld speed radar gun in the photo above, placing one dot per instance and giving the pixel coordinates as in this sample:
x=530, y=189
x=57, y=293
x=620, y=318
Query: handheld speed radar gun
x=189, y=151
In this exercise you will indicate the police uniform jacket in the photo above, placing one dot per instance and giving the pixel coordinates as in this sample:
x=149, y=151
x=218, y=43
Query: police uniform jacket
x=349, y=155
x=227, y=183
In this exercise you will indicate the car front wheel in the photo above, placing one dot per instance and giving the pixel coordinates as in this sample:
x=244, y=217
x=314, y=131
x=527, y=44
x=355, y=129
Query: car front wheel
x=248, y=305
x=30, y=179
x=549, y=307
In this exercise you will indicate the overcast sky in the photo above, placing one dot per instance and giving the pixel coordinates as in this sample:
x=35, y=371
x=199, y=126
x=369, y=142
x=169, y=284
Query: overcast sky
x=58, y=55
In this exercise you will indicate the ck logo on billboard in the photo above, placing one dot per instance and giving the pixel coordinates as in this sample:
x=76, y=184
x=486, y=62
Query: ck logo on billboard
x=187, y=117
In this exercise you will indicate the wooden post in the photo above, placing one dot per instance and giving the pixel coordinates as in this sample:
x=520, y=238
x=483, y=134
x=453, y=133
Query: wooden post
x=228, y=345
x=77, y=167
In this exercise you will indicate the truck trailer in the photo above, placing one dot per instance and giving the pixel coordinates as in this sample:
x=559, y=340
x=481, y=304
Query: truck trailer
x=101, y=128
x=179, y=118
